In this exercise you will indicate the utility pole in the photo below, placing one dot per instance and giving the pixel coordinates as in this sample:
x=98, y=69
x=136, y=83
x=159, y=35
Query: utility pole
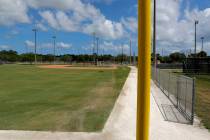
x=130, y=51
x=35, y=58
x=54, y=43
x=196, y=22
x=202, y=38
x=154, y=35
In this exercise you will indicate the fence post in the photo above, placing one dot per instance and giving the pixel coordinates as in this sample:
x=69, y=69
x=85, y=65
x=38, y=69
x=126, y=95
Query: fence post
x=159, y=78
x=169, y=79
x=177, y=91
x=193, y=101
x=185, y=97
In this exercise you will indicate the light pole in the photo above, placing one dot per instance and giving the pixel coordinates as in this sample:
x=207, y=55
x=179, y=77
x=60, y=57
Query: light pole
x=130, y=52
x=35, y=59
x=154, y=35
x=202, y=38
x=196, y=22
x=97, y=43
x=94, y=36
x=154, y=40
x=54, y=42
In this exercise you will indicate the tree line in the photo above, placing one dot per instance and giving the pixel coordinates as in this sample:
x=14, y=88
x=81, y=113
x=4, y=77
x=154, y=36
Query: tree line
x=12, y=56
x=178, y=57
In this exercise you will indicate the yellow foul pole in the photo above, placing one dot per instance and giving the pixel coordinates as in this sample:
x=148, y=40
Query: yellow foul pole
x=144, y=63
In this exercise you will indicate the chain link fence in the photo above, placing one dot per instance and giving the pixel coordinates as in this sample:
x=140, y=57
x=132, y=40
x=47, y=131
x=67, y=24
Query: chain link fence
x=179, y=89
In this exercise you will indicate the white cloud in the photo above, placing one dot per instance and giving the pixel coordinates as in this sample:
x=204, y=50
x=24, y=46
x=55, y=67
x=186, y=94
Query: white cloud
x=105, y=28
x=85, y=18
x=175, y=30
x=68, y=15
x=115, y=48
x=13, y=11
x=4, y=47
x=29, y=43
x=50, y=18
x=64, y=45
x=130, y=23
x=41, y=26
x=100, y=1
x=65, y=22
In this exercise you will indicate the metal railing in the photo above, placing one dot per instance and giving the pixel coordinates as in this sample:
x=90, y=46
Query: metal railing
x=179, y=89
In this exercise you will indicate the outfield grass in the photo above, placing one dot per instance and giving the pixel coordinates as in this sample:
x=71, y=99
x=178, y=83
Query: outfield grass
x=32, y=98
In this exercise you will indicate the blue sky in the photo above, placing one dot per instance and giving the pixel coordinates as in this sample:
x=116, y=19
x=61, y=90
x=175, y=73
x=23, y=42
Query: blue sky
x=19, y=36
x=114, y=21
x=201, y=4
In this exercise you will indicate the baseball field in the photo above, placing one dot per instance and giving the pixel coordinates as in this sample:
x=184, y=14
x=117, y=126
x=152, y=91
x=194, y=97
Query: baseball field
x=58, y=99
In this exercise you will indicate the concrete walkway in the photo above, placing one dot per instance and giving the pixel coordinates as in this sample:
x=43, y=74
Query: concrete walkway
x=121, y=123
x=165, y=130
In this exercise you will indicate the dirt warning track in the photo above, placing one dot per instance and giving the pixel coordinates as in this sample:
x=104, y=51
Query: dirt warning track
x=78, y=67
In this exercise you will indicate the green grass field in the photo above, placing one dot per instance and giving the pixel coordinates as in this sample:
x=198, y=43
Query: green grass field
x=203, y=99
x=32, y=98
